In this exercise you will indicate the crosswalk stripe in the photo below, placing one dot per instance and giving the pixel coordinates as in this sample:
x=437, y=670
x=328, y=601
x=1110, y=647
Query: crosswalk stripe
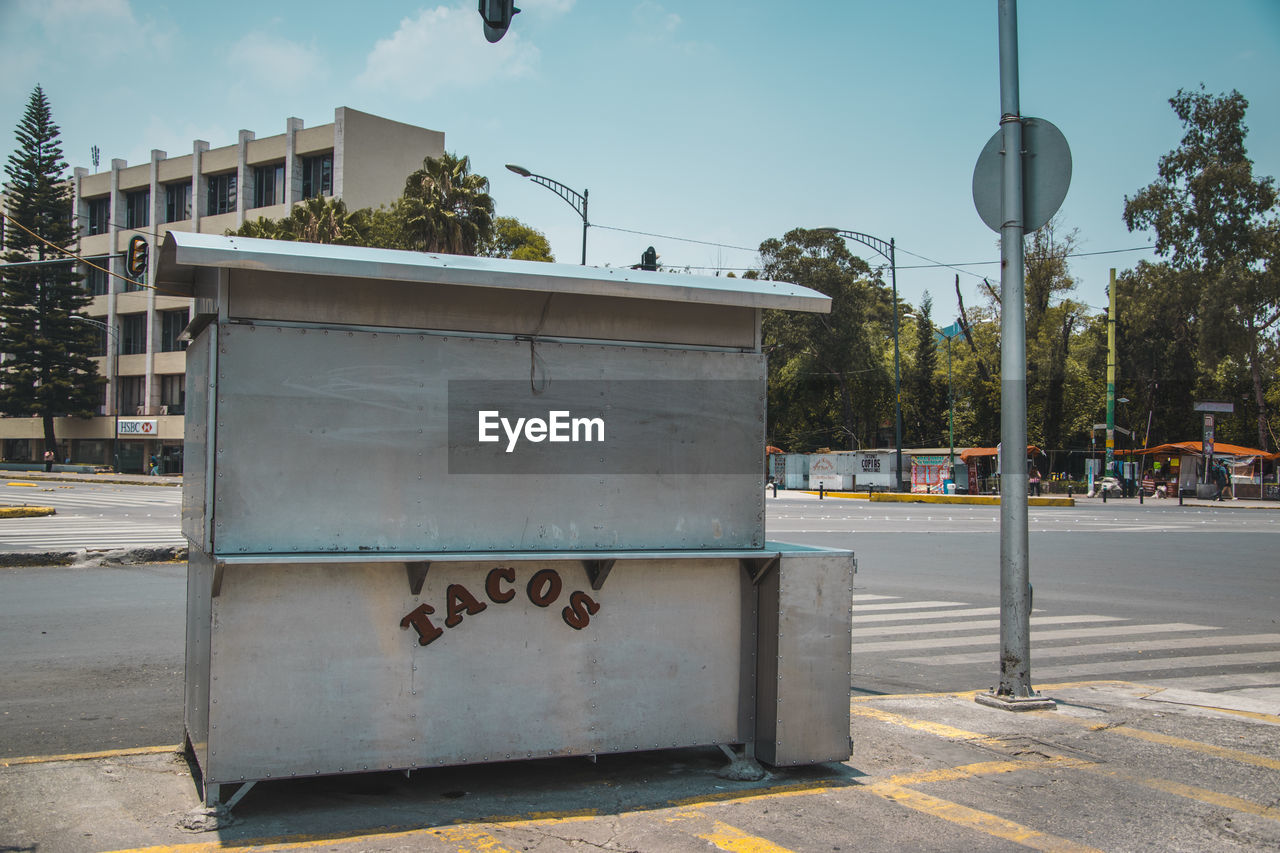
x=1211, y=682
x=976, y=625
x=1154, y=664
x=860, y=618
x=870, y=597
x=1083, y=650
x=906, y=605
x=993, y=640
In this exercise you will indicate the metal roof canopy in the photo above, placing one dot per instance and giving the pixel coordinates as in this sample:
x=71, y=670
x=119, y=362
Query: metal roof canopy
x=184, y=252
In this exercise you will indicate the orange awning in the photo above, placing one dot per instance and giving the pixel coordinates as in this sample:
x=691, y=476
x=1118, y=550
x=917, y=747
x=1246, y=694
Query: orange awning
x=1196, y=448
x=973, y=452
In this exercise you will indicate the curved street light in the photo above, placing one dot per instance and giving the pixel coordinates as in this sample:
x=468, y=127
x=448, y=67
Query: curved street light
x=577, y=200
x=886, y=249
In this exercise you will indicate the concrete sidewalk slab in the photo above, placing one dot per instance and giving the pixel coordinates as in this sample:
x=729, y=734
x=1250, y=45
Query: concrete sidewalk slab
x=1108, y=769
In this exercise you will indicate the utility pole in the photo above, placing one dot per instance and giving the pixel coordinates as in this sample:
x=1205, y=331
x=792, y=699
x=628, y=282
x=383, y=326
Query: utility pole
x=1014, y=692
x=1111, y=375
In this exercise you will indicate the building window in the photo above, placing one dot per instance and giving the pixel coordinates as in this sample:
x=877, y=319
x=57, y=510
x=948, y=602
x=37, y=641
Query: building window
x=171, y=325
x=132, y=389
x=222, y=193
x=268, y=185
x=133, y=334
x=137, y=209
x=96, y=280
x=173, y=393
x=99, y=211
x=177, y=202
x=317, y=175
x=100, y=338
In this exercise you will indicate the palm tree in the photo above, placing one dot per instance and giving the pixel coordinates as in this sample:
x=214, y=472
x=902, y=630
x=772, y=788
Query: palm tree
x=445, y=208
x=314, y=220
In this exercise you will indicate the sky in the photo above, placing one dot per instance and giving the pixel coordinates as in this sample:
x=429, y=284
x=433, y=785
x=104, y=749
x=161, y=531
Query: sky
x=716, y=122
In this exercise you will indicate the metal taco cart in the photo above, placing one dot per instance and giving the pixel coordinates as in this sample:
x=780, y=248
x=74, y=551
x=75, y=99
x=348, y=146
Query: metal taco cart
x=445, y=510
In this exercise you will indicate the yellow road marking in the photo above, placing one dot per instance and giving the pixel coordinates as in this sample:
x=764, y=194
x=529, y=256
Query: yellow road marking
x=938, y=729
x=977, y=820
x=1195, y=746
x=1191, y=792
x=470, y=838
x=730, y=838
x=30, y=485
x=981, y=768
x=88, y=756
x=796, y=790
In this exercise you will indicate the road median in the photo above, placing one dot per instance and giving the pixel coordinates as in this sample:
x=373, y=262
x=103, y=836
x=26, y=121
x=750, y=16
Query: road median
x=909, y=497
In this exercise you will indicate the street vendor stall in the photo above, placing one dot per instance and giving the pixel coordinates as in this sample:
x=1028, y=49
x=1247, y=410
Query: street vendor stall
x=1169, y=470
x=984, y=467
x=446, y=510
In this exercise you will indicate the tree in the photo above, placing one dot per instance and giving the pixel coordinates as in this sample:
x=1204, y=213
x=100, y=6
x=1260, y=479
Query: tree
x=1213, y=218
x=326, y=220
x=923, y=399
x=827, y=374
x=511, y=238
x=48, y=371
x=445, y=208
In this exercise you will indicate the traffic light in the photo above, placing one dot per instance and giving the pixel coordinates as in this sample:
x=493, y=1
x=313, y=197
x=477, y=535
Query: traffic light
x=649, y=260
x=497, y=17
x=135, y=260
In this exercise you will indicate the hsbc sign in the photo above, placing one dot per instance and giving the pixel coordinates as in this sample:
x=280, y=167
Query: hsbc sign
x=138, y=426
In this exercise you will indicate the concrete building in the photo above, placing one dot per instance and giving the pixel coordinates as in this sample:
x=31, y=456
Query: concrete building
x=360, y=158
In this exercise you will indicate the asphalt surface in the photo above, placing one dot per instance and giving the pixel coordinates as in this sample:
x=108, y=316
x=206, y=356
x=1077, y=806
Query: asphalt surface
x=1120, y=765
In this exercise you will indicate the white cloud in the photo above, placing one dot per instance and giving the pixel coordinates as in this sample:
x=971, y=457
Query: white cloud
x=444, y=48
x=653, y=18
x=553, y=7
x=275, y=63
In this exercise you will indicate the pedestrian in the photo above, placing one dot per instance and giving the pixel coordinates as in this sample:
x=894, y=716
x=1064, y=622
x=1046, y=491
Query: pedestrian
x=1033, y=478
x=1220, y=478
x=49, y=459
x=155, y=466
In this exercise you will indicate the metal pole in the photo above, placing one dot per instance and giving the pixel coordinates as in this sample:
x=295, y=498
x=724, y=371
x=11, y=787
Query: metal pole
x=897, y=379
x=1014, y=691
x=951, y=417
x=1111, y=376
x=584, y=226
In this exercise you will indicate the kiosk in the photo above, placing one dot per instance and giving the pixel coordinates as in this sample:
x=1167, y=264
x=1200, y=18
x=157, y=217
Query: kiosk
x=446, y=510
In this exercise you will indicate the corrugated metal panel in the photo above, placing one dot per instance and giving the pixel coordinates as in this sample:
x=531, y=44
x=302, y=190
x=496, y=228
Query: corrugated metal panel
x=183, y=252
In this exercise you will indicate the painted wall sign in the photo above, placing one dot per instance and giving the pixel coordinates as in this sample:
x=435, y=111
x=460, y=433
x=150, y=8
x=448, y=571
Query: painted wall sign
x=138, y=426
x=542, y=590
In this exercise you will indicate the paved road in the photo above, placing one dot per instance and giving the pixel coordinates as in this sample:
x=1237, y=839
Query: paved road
x=93, y=515
x=1186, y=597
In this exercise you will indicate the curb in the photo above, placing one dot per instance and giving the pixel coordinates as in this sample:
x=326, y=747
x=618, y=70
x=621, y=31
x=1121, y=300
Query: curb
x=85, y=558
x=26, y=511
x=903, y=497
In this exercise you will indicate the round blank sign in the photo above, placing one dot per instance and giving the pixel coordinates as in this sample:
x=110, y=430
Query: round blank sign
x=1046, y=175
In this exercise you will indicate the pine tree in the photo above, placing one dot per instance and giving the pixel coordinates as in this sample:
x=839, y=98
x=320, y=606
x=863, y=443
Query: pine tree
x=924, y=400
x=48, y=369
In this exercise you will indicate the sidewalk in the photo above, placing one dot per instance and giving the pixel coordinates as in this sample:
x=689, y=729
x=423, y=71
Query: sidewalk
x=74, y=477
x=1117, y=766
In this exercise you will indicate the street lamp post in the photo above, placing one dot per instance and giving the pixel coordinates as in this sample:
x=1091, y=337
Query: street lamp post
x=886, y=250
x=950, y=332
x=115, y=383
x=577, y=200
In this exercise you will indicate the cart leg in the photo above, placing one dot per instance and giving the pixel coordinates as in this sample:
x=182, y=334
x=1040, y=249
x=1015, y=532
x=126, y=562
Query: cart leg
x=212, y=796
x=741, y=768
